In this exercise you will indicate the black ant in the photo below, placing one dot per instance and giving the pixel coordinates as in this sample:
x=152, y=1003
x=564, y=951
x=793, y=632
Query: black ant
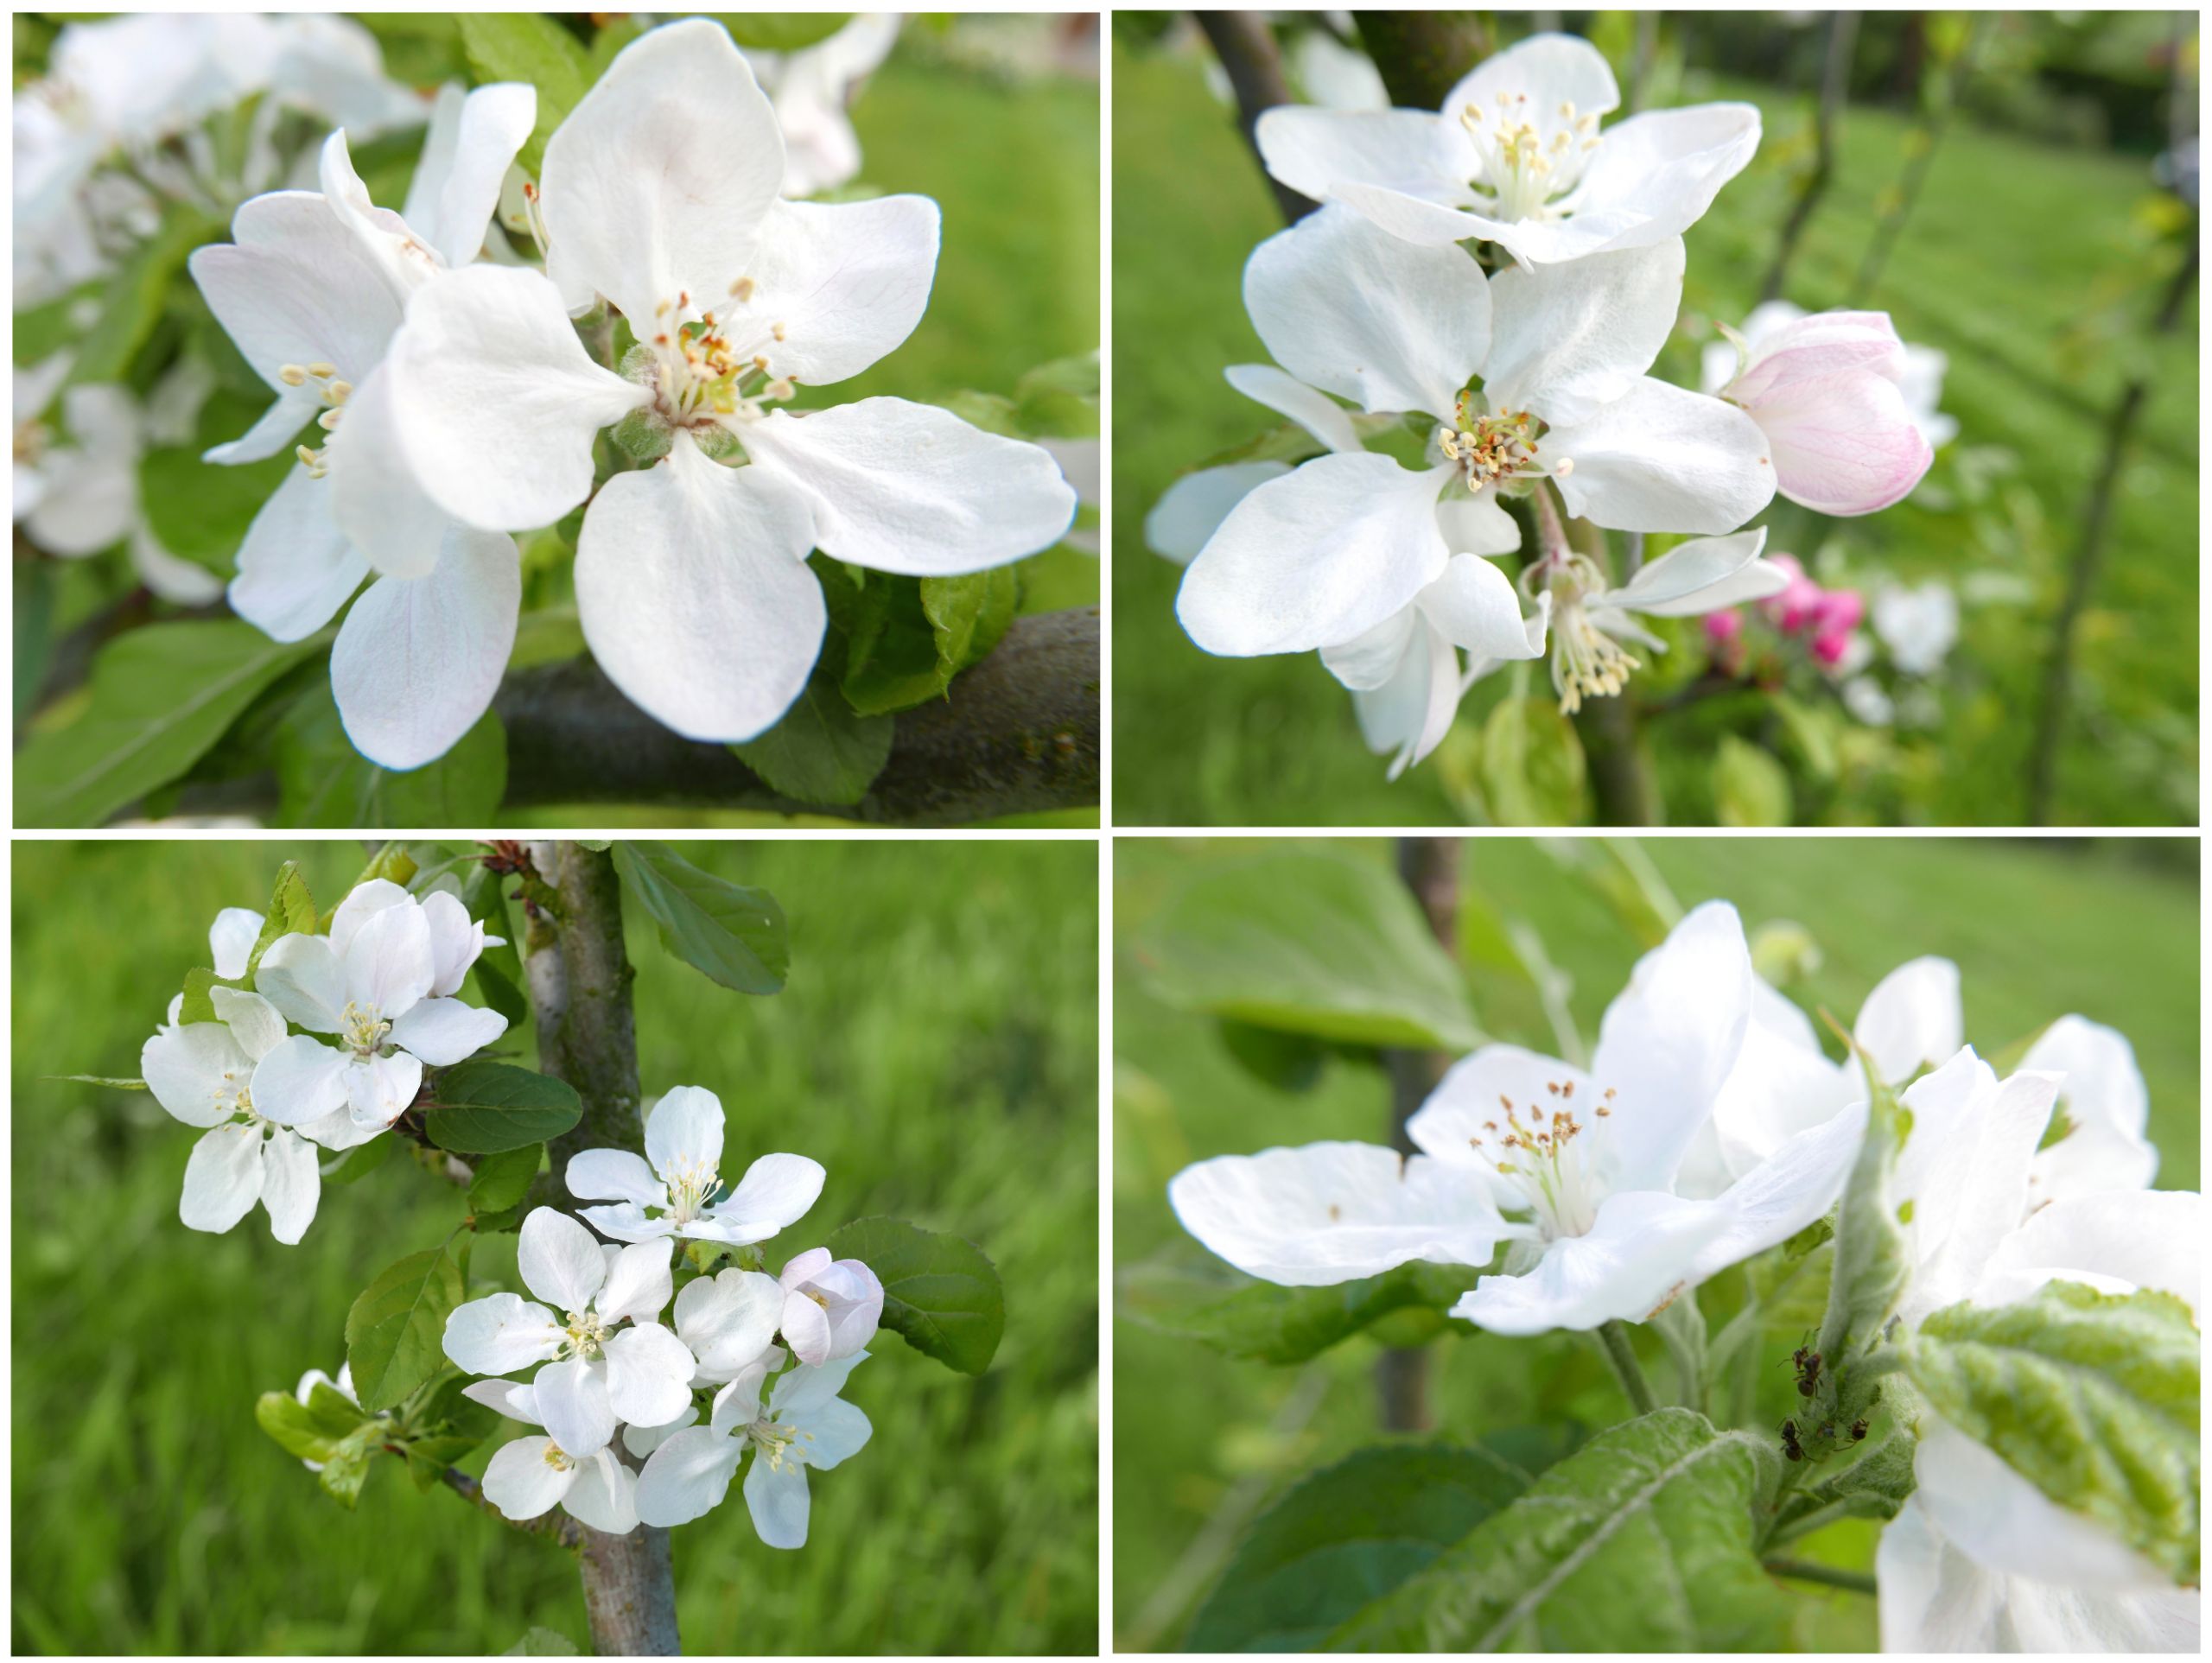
x=1858, y=1429
x=1807, y=1362
x=1790, y=1446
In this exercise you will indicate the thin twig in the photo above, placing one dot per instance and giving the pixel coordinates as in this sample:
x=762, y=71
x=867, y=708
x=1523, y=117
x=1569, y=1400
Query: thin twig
x=1856, y=1582
x=1246, y=47
x=554, y=1526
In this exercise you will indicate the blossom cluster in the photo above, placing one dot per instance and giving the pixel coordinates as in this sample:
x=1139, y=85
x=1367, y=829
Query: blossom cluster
x=1710, y=1126
x=764, y=1356
x=374, y=1002
x=1525, y=373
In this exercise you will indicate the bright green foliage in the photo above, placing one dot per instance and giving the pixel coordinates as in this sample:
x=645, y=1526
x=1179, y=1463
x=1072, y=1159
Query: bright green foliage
x=1311, y=943
x=1640, y=1541
x=1750, y=787
x=1871, y=1263
x=307, y=1430
x=731, y=933
x=498, y=969
x=906, y=638
x=290, y=912
x=160, y=696
x=822, y=750
x=2092, y=1397
x=780, y=31
x=200, y=512
x=116, y=1081
x=351, y=1165
x=940, y=1293
x=395, y=1332
x=198, y=1001
x=1532, y=770
x=1247, y=1318
x=132, y=299
x=520, y=46
x=482, y=1107
x=502, y=1180
x=1345, y=1536
x=322, y=781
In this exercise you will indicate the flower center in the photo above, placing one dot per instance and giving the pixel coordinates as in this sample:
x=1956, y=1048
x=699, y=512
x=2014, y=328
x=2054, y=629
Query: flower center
x=235, y=1097
x=1527, y=155
x=587, y=1334
x=334, y=393
x=31, y=438
x=558, y=1458
x=689, y=1184
x=1587, y=662
x=1535, y=1151
x=774, y=1441
x=716, y=371
x=1491, y=448
x=362, y=1029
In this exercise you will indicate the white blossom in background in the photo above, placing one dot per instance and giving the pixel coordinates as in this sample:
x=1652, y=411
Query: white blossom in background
x=382, y=984
x=810, y=89
x=676, y=1190
x=660, y=195
x=528, y=1476
x=1517, y=155
x=801, y=1423
x=1333, y=75
x=311, y=290
x=1918, y=625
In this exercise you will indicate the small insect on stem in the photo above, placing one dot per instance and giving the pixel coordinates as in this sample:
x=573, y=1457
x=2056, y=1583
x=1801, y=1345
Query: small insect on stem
x=1790, y=1446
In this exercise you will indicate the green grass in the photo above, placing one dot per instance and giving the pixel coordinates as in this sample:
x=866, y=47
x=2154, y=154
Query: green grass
x=2016, y=248
x=2038, y=930
x=936, y=1048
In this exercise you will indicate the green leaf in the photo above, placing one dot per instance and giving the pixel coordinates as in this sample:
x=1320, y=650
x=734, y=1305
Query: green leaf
x=499, y=969
x=198, y=510
x=502, y=1180
x=1246, y=1318
x=99, y=1080
x=198, y=1003
x=1640, y=1541
x=823, y=751
x=480, y=1107
x=160, y=697
x=351, y=1165
x=1750, y=787
x=391, y=862
x=1288, y=1062
x=1309, y=942
x=1532, y=770
x=394, y=1333
x=307, y=1430
x=730, y=934
x=1872, y=1262
x=132, y=299
x=345, y=1469
x=1288, y=443
x=291, y=913
x=940, y=1293
x=781, y=31
x=323, y=782
x=969, y=615
x=1873, y=1487
x=521, y=46
x=2091, y=1397
x=1346, y=1535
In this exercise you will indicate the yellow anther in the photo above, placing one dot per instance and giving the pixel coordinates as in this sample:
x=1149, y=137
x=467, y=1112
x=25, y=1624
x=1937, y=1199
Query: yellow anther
x=743, y=288
x=292, y=374
x=781, y=387
x=339, y=391
x=328, y=421
x=777, y=330
x=321, y=368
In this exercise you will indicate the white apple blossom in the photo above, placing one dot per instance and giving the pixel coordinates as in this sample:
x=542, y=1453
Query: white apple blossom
x=729, y=1321
x=803, y=1423
x=810, y=87
x=660, y=195
x=676, y=1190
x=382, y=981
x=230, y=950
x=1329, y=551
x=528, y=1475
x=830, y=1308
x=1516, y=156
x=311, y=290
x=598, y=1373
x=1918, y=625
x=256, y=1150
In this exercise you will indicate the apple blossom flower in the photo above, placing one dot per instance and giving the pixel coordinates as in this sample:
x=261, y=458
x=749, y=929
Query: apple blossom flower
x=382, y=981
x=803, y=1423
x=311, y=290
x=1327, y=552
x=1918, y=625
x=528, y=1475
x=830, y=1307
x=676, y=1190
x=1516, y=156
x=597, y=1372
x=1864, y=697
x=660, y=195
x=203, y=1073
x=810, y=88
x=2096, y=1144
x=729, y=1321
x=1825, y=389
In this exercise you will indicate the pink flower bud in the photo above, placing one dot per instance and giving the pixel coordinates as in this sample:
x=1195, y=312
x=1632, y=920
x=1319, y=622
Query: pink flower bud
x=1840, y=611
x=1830, y=647
x=1723, y=627
x=1825, y=392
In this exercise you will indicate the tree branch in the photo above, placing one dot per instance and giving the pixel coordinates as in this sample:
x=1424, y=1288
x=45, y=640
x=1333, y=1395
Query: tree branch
x=1835, y=86
x=1855, y=1582
x=1246, y=47
x=554, y=1526
x=1422, y=54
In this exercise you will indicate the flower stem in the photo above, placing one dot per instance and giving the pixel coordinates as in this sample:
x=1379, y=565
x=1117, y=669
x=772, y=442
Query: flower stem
x=1856, y=1582
x=1550, y=523
x=1619, y=1353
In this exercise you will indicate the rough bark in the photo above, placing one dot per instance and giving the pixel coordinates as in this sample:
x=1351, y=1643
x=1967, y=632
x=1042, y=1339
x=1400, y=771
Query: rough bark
x=579, y=975
x=1422, y=54
x=1246, y=47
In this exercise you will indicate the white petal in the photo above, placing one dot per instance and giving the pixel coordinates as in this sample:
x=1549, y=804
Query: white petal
x=846, y=281
x=627, y=1222
x=1572, y=337
x=614, y=1174
x=2145, y=1239
x=497, y=402
x=1667, y=587
x=1411, y=712
x=695, y=594
x=1459, y=1112
x=559, y=1260
x=1912, y=1020
x=521, y=1482
x=1546, y=70
x=186, y=1067
x=1378, y=657
x=648, y=1375
x=658, y=180
x=1474, y=605
x=911, y=488
x=292, y=1184
x=1844, y=444
x=687, y=1476
x=684, y=1129
x=775, y=1193
x=304, y=978
x=729, y=1320
x=380, y=1090
x=300, y=1081
x=443, y=1031
x=2106, y=1107
x=230, y=940
x=274, y=433
x=1659, y=458
x=387, y=964
x=642, y=1441
x=1285, y=395
x=1784, y=1193
x=777, y=1498
x=495, y=121
x=1192, y=510
x=1669, y=1043
x=1660, y=171
x=1354, y=311
x=374, y=496
x=1316, y=151
x=1315, y=558
x=1782, y=1083
x=513, y=1398
x=297, y=288
x=638, y=1285
x=806, y=1328
x=363, y=902
x=456, y=940
x=1476, y=524
x=834, y=1433
x=1636, y=1256
x=296, y=567
x=500, y=1333
x=573, y=1404
x=252, y=1020
x=1333, y=1212
x=337, y=1128
x=223, y=1179
x=603, y=1495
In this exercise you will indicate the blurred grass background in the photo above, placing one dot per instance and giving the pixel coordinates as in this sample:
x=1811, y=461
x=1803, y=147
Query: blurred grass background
x=2037, y=929
x=936, y=1048
x=2022, y=253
